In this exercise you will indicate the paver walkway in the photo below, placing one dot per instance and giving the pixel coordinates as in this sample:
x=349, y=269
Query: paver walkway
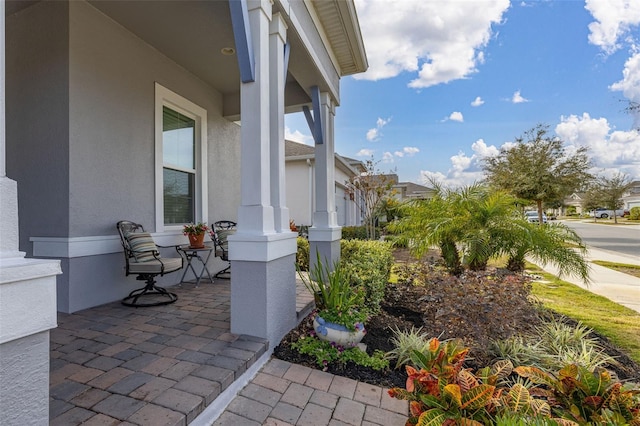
x=289, y=394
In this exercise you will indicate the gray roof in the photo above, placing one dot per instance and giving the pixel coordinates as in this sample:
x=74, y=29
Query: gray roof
x=296, y=149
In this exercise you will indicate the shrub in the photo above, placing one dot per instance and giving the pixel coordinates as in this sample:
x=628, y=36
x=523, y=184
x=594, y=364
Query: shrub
x=634, y=213
x=586, y=397
x=354, y=233
x=302, y=255
x=552, y=345
x=325, y=353
x=369, y=265
x=405, y=343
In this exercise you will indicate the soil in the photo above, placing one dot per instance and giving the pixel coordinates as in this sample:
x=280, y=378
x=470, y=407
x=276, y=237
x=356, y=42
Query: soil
x=476, y=307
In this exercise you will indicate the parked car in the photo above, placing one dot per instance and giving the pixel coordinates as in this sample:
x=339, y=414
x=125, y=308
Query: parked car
x=603, y=213
x=532, y=216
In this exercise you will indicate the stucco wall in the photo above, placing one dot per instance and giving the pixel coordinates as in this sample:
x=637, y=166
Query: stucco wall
x=80, y=143
x=37, y=118
x=24, y=375
x=112, y=75
x=298, y=191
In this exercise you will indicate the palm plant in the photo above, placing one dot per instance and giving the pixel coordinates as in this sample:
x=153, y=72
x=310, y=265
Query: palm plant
x=554, y=243
x=473, y=224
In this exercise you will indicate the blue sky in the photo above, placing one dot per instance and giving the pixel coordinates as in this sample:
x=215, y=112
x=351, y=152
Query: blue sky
x=450, y=82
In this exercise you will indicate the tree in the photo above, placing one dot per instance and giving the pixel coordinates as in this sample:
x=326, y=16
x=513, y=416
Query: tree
x=474, y=224
x=370, y=188
x=608, y=192
x=538, y=169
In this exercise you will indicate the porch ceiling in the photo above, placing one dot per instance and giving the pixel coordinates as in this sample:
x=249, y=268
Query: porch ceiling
x=193, y=34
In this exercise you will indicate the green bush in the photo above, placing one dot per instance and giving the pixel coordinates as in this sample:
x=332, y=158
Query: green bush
x=634, y=213
x=302, y=255
x=369, y=265
x=354, y=233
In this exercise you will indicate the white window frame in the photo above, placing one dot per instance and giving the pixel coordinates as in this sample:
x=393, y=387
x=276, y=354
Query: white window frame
x=165, y=97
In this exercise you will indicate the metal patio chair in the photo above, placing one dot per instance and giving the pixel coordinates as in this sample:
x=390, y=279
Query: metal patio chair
x=143, y=259
x=219, y=233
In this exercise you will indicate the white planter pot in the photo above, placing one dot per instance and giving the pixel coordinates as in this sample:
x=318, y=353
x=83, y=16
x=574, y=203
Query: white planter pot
x=339, y=334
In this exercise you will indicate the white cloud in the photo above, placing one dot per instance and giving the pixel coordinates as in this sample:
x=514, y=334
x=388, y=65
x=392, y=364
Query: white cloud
x=440, y=41
x=387, y=157
x=398, y=154
x=517, y=98
x=464, y=169
x=297, y=136
x=477, y=102
x=365, y=152
x=630, y=83
x=456, y=116
x=410, y=150
x=618, y=150
x=613, y=150
x=374, y=134
x=614, y=22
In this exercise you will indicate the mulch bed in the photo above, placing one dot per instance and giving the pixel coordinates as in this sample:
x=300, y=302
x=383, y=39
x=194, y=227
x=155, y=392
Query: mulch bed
x=475, y=307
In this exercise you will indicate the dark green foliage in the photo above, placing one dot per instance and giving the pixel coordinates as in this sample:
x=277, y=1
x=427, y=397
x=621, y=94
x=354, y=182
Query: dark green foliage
x=369, y=265
x=357, y=233
x=302, y=254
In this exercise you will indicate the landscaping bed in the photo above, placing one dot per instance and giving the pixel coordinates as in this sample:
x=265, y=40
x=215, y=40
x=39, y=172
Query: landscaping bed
x=476, y=307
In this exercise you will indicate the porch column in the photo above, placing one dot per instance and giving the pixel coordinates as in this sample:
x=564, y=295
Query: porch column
x=27, y=302
x=325, y=234
x=263, y=299
x=277, y=72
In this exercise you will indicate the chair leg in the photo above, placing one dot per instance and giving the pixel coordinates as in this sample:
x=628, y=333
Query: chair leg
x=226, y=271
x=150, y=289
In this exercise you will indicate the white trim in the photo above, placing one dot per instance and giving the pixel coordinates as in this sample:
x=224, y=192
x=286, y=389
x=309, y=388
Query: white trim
x=62, y=247
x=261, y=247
x=27, y=297
x=166, y=97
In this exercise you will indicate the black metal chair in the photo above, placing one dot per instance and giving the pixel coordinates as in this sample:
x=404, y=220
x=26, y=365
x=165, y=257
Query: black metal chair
x=142, y=258
x=219, y=233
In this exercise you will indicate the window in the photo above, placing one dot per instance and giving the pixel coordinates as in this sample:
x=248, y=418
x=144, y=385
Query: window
x=180, y=160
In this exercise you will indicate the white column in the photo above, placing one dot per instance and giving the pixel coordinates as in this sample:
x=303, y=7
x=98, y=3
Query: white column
x=27, y=302
x=255, y=214
x=277, y=38
x=325, y=234
x=263, y=289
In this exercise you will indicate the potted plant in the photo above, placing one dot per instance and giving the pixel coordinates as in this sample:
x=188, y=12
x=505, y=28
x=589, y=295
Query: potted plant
x=339, y=317
x=196, y=233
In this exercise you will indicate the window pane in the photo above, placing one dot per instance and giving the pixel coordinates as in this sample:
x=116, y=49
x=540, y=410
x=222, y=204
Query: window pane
x=178, y=139
x=179, y=202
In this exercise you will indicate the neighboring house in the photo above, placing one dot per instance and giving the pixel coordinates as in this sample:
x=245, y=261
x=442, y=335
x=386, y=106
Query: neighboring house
x=573, y=200
x=300, y=175
x=161, y=112
x=632, y=198
x=403, y=191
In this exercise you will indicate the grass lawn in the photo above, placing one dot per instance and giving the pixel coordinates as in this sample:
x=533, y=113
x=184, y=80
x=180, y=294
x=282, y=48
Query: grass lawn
x=620, y=267
x=618, y=323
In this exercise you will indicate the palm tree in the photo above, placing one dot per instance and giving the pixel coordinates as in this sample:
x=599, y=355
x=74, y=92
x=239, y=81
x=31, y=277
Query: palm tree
x=555, y=243
x=473, y=224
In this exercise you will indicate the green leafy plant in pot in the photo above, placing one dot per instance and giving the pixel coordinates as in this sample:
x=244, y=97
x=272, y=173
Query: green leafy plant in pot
x=340, y=317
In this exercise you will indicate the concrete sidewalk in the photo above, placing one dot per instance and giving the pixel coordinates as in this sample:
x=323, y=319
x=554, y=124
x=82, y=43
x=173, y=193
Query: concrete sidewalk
x=617, y=286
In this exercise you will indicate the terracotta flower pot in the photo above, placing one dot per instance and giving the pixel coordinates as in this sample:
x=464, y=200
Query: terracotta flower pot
x=196, y=240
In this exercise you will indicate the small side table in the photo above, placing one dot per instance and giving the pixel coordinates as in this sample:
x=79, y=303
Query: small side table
x=202, y=254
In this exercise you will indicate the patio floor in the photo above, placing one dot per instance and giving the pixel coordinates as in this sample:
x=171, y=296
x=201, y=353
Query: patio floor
x=161, y=365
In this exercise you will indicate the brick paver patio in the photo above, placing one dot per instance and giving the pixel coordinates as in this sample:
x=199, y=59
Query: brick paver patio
x=117, y=365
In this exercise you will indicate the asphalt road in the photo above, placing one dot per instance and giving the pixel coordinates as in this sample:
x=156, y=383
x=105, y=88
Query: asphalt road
x=623, y=239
